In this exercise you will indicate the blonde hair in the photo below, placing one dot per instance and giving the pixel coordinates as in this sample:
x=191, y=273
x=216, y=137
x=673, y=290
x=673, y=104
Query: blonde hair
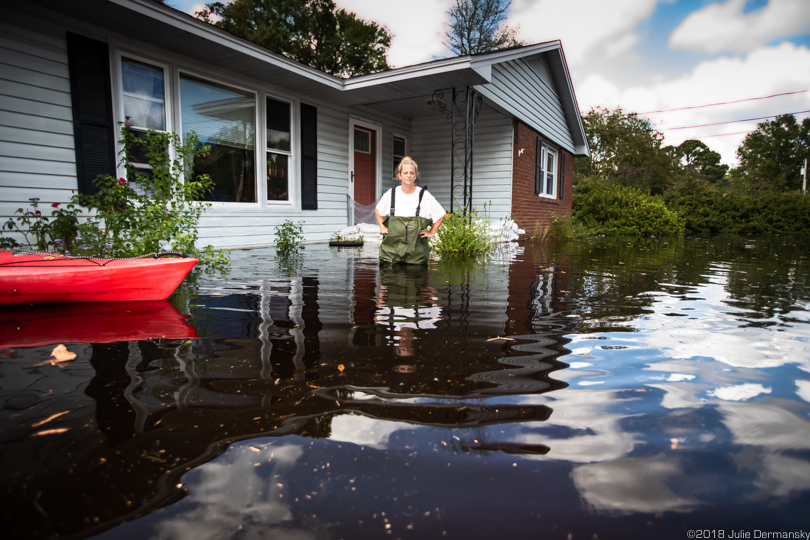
x=407, y=161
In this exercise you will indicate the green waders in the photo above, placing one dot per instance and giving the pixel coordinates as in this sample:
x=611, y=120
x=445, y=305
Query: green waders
x=403, y=244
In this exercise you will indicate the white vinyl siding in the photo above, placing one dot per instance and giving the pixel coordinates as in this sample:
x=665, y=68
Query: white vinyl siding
x=526, y=88
x=492, y=161
x=36, y=123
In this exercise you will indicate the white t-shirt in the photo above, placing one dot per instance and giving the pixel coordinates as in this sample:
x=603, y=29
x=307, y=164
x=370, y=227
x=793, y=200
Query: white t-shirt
x=406, y=204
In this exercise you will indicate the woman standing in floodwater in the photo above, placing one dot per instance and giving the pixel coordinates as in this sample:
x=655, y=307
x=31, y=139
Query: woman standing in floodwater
x=408, y=218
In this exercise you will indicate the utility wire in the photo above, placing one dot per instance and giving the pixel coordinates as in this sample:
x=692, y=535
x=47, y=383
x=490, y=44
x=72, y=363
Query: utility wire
x=724, y=134
x=731, y=121
x=725, y=102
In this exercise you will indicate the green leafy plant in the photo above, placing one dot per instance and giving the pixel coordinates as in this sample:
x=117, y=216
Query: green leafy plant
x=65, y=227
x=33, y=223
x=161, y=214
x=57, y=232
x=464, y=233
x=289, y=237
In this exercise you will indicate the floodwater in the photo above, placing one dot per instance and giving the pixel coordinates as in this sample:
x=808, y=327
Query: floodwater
x=589, y=390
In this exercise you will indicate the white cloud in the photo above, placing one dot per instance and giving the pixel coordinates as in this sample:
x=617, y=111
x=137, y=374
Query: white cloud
x=362, y=430
x=583, y=26
x=192, y=10
x=417, y=27
x=633, y=485
x=763, y=72
x=230, y=492
x=739, y=392
x=803, y=390
x=724, y=27
x=621, y=45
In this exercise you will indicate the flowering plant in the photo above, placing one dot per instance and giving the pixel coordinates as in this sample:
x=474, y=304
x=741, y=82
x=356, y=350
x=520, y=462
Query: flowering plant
x=162, y=213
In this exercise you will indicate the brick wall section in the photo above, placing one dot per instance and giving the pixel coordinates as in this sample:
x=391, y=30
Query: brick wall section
x=529, y=209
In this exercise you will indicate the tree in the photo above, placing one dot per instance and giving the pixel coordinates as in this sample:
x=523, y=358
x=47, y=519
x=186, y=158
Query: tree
x=771, y=157
x=477, y=26
x=626, y=150
x=313, y=32
x=696, y=158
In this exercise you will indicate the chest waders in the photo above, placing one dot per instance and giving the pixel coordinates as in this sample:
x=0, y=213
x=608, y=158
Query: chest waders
x=403, y=244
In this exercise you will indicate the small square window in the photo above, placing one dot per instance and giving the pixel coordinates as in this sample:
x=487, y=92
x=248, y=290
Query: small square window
x=362, y=141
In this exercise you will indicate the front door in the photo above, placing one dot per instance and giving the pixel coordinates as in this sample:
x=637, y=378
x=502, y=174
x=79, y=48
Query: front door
x=364, y=175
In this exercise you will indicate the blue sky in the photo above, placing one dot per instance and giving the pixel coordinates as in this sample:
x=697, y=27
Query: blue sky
x=644, y=55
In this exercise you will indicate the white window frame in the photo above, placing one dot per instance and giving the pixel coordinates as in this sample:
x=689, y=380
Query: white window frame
x=118, y=97
x=292, y=156
x=552, y=176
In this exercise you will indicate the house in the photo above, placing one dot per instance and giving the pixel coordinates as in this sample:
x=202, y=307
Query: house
x=498, y=131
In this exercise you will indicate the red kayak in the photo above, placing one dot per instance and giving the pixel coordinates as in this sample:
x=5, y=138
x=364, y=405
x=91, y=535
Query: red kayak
x=49, y=279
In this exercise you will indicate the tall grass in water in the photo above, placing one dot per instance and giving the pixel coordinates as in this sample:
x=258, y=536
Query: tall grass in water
x=464, y=234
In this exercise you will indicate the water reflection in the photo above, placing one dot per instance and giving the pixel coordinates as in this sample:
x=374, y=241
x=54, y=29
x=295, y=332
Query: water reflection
x=95, y=322
x=329, y=397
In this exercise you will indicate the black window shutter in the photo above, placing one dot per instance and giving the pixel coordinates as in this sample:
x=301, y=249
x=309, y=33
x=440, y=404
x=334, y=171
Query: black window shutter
x=562, y=173
x=539, y=177
x=309, y=157
x=93, y=124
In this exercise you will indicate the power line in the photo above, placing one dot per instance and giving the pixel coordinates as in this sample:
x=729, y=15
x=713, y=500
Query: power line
x=731, y=121
x=725, y=102
x=725, y=134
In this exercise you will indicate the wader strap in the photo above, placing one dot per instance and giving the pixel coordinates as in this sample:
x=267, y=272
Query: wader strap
x=418, y=204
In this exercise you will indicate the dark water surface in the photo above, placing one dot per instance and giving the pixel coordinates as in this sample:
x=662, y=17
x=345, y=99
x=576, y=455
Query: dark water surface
x=606, y=389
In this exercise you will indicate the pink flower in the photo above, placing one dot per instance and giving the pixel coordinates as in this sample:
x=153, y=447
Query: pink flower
x=122, y=181
x=55, y=205
x=38, y=212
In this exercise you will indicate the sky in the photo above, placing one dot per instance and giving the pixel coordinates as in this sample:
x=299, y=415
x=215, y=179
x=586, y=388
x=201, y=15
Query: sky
x=707, y=63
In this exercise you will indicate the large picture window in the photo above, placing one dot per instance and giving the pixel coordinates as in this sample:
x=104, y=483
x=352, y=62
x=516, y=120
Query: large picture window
x=279, y=149
x=225, y=119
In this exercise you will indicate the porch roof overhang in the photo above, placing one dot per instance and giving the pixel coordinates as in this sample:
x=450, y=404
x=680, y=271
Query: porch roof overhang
x=403, y=91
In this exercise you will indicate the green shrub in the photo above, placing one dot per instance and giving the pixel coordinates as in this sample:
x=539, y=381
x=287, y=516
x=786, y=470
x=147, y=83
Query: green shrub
x=565, y=229
x=615, y=210
x=289, y=237
x=464, y=234
x=743, y=213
